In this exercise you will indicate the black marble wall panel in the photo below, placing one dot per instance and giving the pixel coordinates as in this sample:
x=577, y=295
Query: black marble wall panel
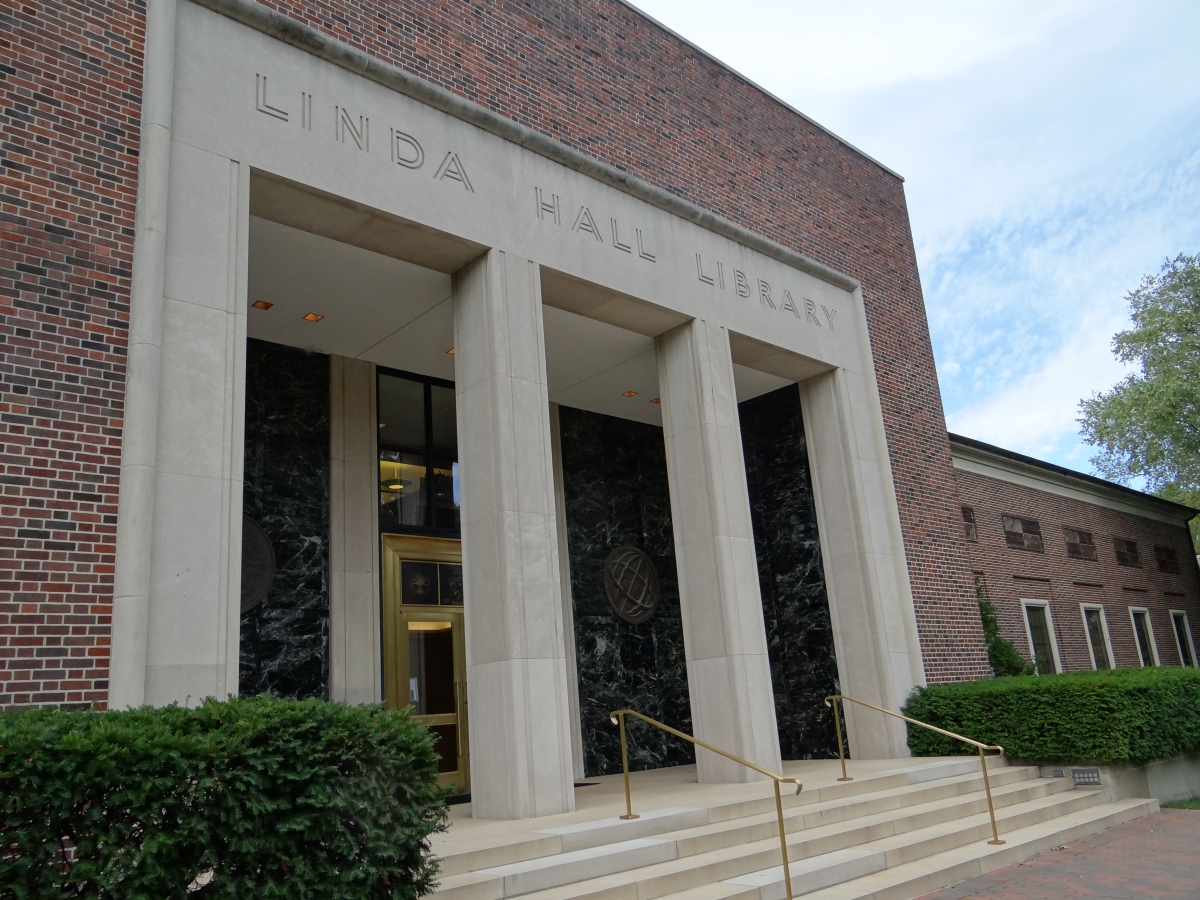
x=285, y=640
x=615, y=480
x=790, y=574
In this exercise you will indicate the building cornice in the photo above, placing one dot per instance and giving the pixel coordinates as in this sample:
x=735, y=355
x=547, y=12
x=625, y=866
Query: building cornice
x=319, y=44
x=970, y=455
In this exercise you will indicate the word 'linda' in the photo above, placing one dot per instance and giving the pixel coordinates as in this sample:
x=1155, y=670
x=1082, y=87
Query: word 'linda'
x=355, y=130
x=550, y=209
x=766, y=294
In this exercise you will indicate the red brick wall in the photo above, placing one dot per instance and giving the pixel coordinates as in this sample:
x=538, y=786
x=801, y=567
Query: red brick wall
x=1012, y=575
x=70, y=82
x=590, y=73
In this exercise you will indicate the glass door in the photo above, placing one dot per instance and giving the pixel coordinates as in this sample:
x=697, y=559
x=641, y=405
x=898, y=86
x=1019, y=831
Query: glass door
x=424, y=647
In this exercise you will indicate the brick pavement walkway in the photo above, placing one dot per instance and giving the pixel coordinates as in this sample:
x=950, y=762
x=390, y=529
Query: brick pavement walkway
x=1153, y=858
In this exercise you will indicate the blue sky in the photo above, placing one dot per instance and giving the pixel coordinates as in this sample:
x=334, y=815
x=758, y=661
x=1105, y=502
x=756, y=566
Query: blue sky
x=1051, y=152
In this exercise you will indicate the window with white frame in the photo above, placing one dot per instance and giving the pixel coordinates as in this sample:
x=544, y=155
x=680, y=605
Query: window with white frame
x=1039, y=628
x=1143, y=633
x=1183, y=638
x=1095, y=624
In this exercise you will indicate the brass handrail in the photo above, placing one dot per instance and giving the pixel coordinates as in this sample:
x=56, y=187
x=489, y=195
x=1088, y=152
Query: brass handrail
x=777, y=779
x=829, y=701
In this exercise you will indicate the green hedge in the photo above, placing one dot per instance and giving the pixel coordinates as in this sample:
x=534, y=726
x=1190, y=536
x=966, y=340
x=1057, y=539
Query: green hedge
x=1121, y=716
x=258, y=798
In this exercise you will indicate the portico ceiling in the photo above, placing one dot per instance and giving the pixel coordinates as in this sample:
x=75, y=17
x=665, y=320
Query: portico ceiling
x=398, y=314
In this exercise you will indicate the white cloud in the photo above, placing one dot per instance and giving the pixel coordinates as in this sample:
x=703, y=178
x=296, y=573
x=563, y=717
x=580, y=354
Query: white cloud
x=1036, y=413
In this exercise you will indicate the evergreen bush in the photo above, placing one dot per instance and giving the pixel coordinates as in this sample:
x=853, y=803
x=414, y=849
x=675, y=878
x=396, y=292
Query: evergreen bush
x=261, y=798
x=1114, y=716
x=1003, y=656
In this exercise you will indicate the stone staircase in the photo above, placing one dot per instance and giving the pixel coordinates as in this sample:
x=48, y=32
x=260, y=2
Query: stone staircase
x=898, y=833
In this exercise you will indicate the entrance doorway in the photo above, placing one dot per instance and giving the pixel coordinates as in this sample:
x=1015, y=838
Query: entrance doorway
x=423, y=643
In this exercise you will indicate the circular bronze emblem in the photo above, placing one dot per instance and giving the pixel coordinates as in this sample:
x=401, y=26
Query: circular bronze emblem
x=631, y=584
x=258, y=564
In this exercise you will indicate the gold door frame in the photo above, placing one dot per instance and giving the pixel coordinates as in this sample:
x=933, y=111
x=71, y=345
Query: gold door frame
x=397, y=618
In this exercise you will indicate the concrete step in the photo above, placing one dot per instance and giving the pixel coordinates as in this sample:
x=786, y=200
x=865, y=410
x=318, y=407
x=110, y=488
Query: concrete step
x=900, y=810
x=931, y=873
x=613, y=872
x=886, y=786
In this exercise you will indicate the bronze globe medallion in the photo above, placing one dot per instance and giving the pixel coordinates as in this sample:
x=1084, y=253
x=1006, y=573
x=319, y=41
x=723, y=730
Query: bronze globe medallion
x=631, y=584
x=258, y=564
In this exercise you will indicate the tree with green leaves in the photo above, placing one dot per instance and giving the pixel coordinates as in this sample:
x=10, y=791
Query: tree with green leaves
x=1148, y=425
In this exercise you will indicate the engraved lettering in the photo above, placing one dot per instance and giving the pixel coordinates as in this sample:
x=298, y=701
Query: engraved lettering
x=707, y=279
x=810, y=312
x=260, y=99
x=306, y=111
x=642, y=251
x=764, y=294
x=360, y=133
x=453, y=169
x=617, y=240
x=789, y=305
x=741, y=285
x=407, y=150
x=585, y=222
x=829, y=314
x=544, y=208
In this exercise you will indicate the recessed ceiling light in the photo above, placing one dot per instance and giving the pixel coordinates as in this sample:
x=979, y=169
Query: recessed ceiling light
x=262, y=304
x=313, y=317
x=656, y=400
x=629, y=394
x=451, y=351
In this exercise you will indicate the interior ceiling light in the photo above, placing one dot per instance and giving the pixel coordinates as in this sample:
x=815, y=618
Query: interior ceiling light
x=262, y=304
x=451, y=351
x=629, y=394
x=313, y=317
x=656, y=400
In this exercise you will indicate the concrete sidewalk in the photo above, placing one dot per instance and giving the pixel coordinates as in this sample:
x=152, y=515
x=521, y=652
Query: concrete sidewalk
x=1152, y=858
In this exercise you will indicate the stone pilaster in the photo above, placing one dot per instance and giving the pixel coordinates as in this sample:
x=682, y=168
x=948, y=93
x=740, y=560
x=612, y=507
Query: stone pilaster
x=729, y=676
x=516, y=669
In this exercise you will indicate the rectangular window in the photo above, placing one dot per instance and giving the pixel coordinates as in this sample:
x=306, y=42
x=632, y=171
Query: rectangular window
x=1144, y=633
x=418, y=455
x=1097, y=632
x=1079, y=544
x=969, y=523
x=1127, y=553
x=1022, y=534
x=1167, y=560
x=1041, y=637
x=1183, y=637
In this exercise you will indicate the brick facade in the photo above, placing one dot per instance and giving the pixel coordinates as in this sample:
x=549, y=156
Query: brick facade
x=1012, y=575
x=591, y=73
x=70, y=79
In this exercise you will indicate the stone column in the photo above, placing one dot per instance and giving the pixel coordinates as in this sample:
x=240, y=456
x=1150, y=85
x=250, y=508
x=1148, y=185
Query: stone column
x=516, y=668
x=729, y=676
x=139, y=449
x=354, y=626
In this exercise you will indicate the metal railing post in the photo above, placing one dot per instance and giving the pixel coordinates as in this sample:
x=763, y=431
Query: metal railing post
x=629, y=814
x=987, y=786
x=832, y=700
x=837, y=724
x=617, y=717
x=787, y=872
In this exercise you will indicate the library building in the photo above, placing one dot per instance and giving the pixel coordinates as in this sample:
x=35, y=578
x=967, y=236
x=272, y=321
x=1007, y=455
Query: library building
x=517, y=363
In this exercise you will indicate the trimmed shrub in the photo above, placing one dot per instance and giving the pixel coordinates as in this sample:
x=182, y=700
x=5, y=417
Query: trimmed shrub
x=1120, y=716
x=260, y=797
